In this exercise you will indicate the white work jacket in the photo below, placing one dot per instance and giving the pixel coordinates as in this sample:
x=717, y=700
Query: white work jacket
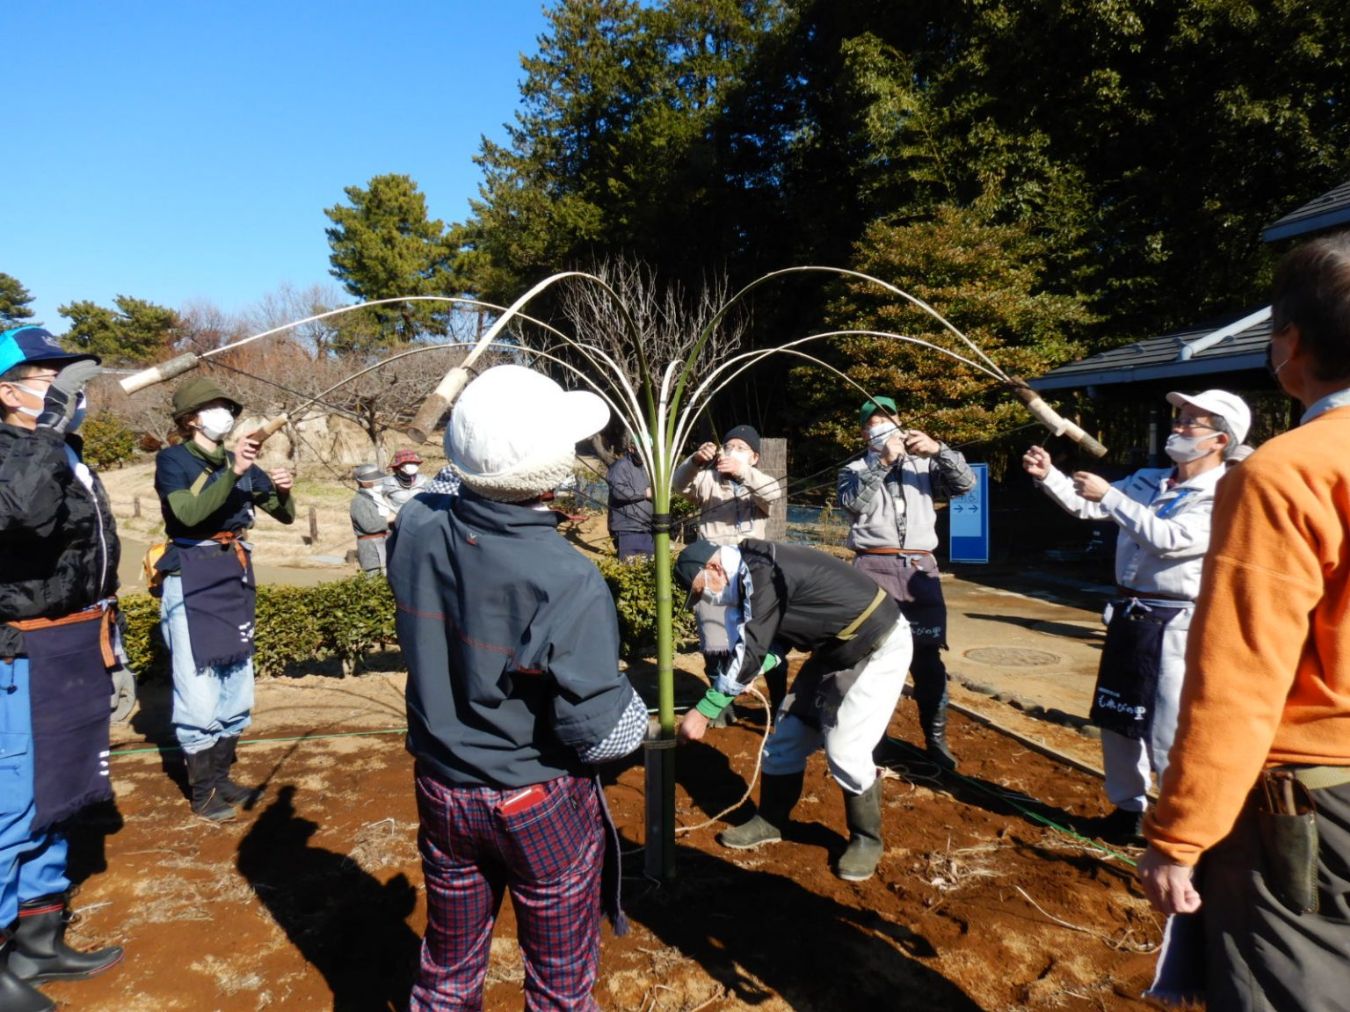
x=1164, y=532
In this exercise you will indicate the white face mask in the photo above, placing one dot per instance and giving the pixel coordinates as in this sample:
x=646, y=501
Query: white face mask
x=408, y=469
x=878, y=435
x=1184, y=449
x=39, y=394
x=742, y=455
x=215, y=423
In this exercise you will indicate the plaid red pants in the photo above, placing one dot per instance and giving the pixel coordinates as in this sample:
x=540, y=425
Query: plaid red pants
x=548, y=854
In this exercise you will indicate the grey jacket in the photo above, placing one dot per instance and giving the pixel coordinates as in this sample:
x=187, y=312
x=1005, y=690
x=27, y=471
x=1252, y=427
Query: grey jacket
x=893, y=507
x=630, y=511
x=370, y=515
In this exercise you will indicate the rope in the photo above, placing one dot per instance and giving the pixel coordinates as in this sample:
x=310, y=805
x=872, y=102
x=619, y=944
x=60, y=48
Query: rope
x=754, y=776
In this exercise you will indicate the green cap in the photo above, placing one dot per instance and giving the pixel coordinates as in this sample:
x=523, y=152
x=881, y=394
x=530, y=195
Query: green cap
x=198, y=391
x=876, y=404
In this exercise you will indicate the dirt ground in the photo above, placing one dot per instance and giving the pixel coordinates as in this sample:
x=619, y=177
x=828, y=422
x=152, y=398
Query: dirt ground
x=313, y=899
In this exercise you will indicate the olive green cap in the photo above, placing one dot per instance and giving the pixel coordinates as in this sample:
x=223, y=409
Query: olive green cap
x=198, y=391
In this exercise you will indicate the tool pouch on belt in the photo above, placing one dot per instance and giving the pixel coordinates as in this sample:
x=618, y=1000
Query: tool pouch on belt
x=154, y=576
x=1287, y=820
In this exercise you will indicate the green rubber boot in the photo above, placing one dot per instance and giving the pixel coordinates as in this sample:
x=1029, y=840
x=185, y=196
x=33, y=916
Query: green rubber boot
x=777, y=797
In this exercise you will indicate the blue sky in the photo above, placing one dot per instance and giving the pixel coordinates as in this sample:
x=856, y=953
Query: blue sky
x=186, y=151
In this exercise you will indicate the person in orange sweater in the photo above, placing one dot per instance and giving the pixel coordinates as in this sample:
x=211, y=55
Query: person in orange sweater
x=1267, y=688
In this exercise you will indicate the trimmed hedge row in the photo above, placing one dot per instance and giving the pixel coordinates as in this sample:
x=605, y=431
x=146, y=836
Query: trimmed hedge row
x=346, y=619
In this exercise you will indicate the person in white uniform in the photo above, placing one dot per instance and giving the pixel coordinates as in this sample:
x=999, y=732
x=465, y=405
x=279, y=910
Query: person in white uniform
x=1164, y=520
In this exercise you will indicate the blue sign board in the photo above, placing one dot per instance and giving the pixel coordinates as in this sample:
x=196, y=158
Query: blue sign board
x=969, y=514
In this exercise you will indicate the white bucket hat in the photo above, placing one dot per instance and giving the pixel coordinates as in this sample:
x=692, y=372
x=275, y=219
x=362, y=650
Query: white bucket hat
x=1230, y=407
x=513, y=432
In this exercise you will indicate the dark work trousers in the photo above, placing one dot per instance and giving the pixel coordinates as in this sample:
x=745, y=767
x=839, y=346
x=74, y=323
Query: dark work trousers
x=912, y=579
x=1259, y=955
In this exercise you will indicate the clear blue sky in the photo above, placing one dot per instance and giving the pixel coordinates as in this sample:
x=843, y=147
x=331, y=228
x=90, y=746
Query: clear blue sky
x=180, y=151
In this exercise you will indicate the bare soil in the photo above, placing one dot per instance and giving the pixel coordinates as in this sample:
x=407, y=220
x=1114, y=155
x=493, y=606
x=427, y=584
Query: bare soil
x=313, y=900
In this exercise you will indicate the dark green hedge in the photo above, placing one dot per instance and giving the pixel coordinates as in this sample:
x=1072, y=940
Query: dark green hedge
x=346, y=619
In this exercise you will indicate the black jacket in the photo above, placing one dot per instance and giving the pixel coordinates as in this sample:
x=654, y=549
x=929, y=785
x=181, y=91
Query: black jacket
x=803, y=598
x=58, y=541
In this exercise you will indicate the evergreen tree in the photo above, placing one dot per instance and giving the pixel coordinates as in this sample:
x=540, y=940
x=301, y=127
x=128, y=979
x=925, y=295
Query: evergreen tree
x=14, y=300
x=135, y=332
x=384, y=246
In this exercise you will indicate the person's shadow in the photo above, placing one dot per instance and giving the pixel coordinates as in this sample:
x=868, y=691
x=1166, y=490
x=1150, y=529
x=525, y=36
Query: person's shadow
x=349, y=925
x=761, y=934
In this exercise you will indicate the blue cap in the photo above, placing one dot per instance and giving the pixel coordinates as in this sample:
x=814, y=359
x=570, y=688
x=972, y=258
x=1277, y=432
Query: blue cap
x=33, y=344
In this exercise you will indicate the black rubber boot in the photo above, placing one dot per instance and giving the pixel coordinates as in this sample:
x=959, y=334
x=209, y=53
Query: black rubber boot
x=17, y=995
x=778, y=795
x=40, y=951
x=863, y=812
x=1122, y=828
x=934, y=724
x=206, y=799
x=222, y=756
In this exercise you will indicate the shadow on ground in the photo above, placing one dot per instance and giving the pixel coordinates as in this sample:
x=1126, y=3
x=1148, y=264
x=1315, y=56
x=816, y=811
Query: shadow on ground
x=748, y=929
x=348, y=924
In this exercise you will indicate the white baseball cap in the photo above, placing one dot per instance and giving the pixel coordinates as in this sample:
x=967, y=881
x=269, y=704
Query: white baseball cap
x=513, y=432
x=1230, y=407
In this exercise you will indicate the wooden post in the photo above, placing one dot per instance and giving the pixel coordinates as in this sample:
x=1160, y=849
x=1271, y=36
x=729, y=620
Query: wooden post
x=313, y=525
x=773, y=461
x=136, y=507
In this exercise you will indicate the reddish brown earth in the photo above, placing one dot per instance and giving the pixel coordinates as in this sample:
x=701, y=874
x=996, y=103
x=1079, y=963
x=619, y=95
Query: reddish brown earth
x=313, y=900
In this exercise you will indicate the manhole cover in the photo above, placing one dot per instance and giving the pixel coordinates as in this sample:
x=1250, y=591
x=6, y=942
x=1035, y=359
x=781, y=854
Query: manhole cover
x=1012, y=657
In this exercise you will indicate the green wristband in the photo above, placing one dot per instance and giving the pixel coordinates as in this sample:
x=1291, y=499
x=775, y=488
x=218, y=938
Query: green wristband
x=713, y=703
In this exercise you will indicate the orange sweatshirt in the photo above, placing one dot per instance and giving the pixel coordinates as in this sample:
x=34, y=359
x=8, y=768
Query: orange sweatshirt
x=1268, y=657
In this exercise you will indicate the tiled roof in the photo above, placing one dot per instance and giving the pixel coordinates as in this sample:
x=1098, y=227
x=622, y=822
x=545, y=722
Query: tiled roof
x=1158, y=358
x=1327, y=211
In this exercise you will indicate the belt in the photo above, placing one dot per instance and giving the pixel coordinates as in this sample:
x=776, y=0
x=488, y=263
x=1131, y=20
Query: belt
x=1317, y=778
x=369, y=537
x=891, y=551
x=851, y=630
x=104, y=613
x=1146, y=595
x=230, y=538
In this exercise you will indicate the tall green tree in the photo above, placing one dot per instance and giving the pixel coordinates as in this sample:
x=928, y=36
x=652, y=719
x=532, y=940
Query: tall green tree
x=992, y=282
x=385, y=246
x=14, y=300
x=613, y=151
x=135, y=332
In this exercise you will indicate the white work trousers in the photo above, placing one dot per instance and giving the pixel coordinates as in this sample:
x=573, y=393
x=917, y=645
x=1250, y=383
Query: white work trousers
x=856, y=727
x=1128, y=762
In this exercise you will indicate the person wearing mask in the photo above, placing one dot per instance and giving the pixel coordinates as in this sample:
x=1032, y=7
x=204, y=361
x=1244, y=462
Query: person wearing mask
x=843, y=696
x=208, y=496
x=58, y=580
x=514, y=695
x=630, y=505
x=1265, y=711
x=405, y=478
x=372, y=516
x=1164, y=520
x=733, y=498
x=889, y=494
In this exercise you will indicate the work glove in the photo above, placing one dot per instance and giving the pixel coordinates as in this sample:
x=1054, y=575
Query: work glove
x=64, y=394
x=123, y=693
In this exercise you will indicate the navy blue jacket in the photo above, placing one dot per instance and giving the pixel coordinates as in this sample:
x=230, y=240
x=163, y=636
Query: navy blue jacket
x=511, y=641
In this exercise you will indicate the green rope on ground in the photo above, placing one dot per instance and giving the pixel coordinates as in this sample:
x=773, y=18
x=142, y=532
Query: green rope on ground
x=1007, y=799
x=259, y=741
